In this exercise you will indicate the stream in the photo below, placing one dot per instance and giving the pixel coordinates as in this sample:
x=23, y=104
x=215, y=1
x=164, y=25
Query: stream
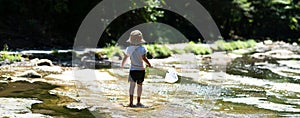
x=260, y=83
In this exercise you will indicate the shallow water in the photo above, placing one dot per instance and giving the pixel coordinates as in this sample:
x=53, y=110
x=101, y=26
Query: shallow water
x=202, y=93
x=218, y=95
x=246, y=87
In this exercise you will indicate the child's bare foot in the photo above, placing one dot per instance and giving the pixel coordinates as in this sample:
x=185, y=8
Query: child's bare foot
x=140, y=105
x=130, y=105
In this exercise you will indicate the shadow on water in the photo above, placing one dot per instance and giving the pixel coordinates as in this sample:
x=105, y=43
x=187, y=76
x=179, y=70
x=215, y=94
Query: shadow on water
x=52, y=105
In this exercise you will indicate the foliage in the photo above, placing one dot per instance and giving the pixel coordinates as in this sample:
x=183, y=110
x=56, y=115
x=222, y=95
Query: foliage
x=158, y=51
x=150, y=13
x=9, y=57
x=111, y=51
x=197, y=49
x=32, y=23
x=233, y=45
x=162, y=51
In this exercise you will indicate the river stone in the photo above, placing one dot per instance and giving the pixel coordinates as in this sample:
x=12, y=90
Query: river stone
x=277, y=54
x=261, y=47
x=41, y=62
x=30, y=74
x=290, y=63
x=268, y=42
x=294, y=44
x=280, y=54
x=44, y=62
x=48, y=69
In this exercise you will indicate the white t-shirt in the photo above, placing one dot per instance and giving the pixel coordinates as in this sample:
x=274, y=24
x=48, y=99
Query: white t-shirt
x=136, y=56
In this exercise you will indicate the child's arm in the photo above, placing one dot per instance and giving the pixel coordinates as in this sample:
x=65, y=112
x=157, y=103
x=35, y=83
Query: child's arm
x=124, y=60
x=146, y=60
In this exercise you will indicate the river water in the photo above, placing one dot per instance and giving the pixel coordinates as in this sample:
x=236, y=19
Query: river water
x=217, y=85
x=203, y=91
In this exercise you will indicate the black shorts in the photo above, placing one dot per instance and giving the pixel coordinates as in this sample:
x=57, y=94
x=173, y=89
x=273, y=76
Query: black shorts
x=137, y=75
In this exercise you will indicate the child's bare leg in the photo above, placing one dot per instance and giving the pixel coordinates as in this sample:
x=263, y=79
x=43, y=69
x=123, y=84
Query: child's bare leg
x=131, y=93
x=139, y=93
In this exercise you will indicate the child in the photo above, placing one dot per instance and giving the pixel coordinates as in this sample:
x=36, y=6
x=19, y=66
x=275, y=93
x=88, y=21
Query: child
x=137, y=54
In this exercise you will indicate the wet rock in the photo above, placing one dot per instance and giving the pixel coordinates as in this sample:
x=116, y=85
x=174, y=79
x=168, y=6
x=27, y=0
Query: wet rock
x=252, y=67
x=18, y=108
x=39, y=62
x=279, y=45
x=48, y=69
x=268, y=42
x=8, y=79
x=5, y=62
x=277, y=54
x=294, y=44
x=29, y=74
x=282, y=54
x=262, y=102
x=82, y=75
x=77, y=105
x=44, y=62
x=290, y=63
x=260, y=47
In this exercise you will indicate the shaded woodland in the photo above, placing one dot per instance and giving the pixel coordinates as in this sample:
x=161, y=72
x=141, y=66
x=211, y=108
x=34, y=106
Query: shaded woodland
x=53, y=24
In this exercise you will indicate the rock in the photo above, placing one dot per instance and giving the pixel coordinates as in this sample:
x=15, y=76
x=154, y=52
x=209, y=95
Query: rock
x=41, y=62
x=277, y=54
x=259, y=55
x=44, y=62
x=280, y=54
x=260, y=47
x=8, y=78
x=48, y=69
x=294, y=44
x=82, y=75
x=290, y=63
x=268, y=42
x=77, y=105
x=5, y=62
x=30, y=74
x=19, y=108
x=220, y=58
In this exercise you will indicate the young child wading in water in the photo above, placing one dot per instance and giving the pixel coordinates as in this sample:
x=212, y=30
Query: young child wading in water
x=137, y=54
